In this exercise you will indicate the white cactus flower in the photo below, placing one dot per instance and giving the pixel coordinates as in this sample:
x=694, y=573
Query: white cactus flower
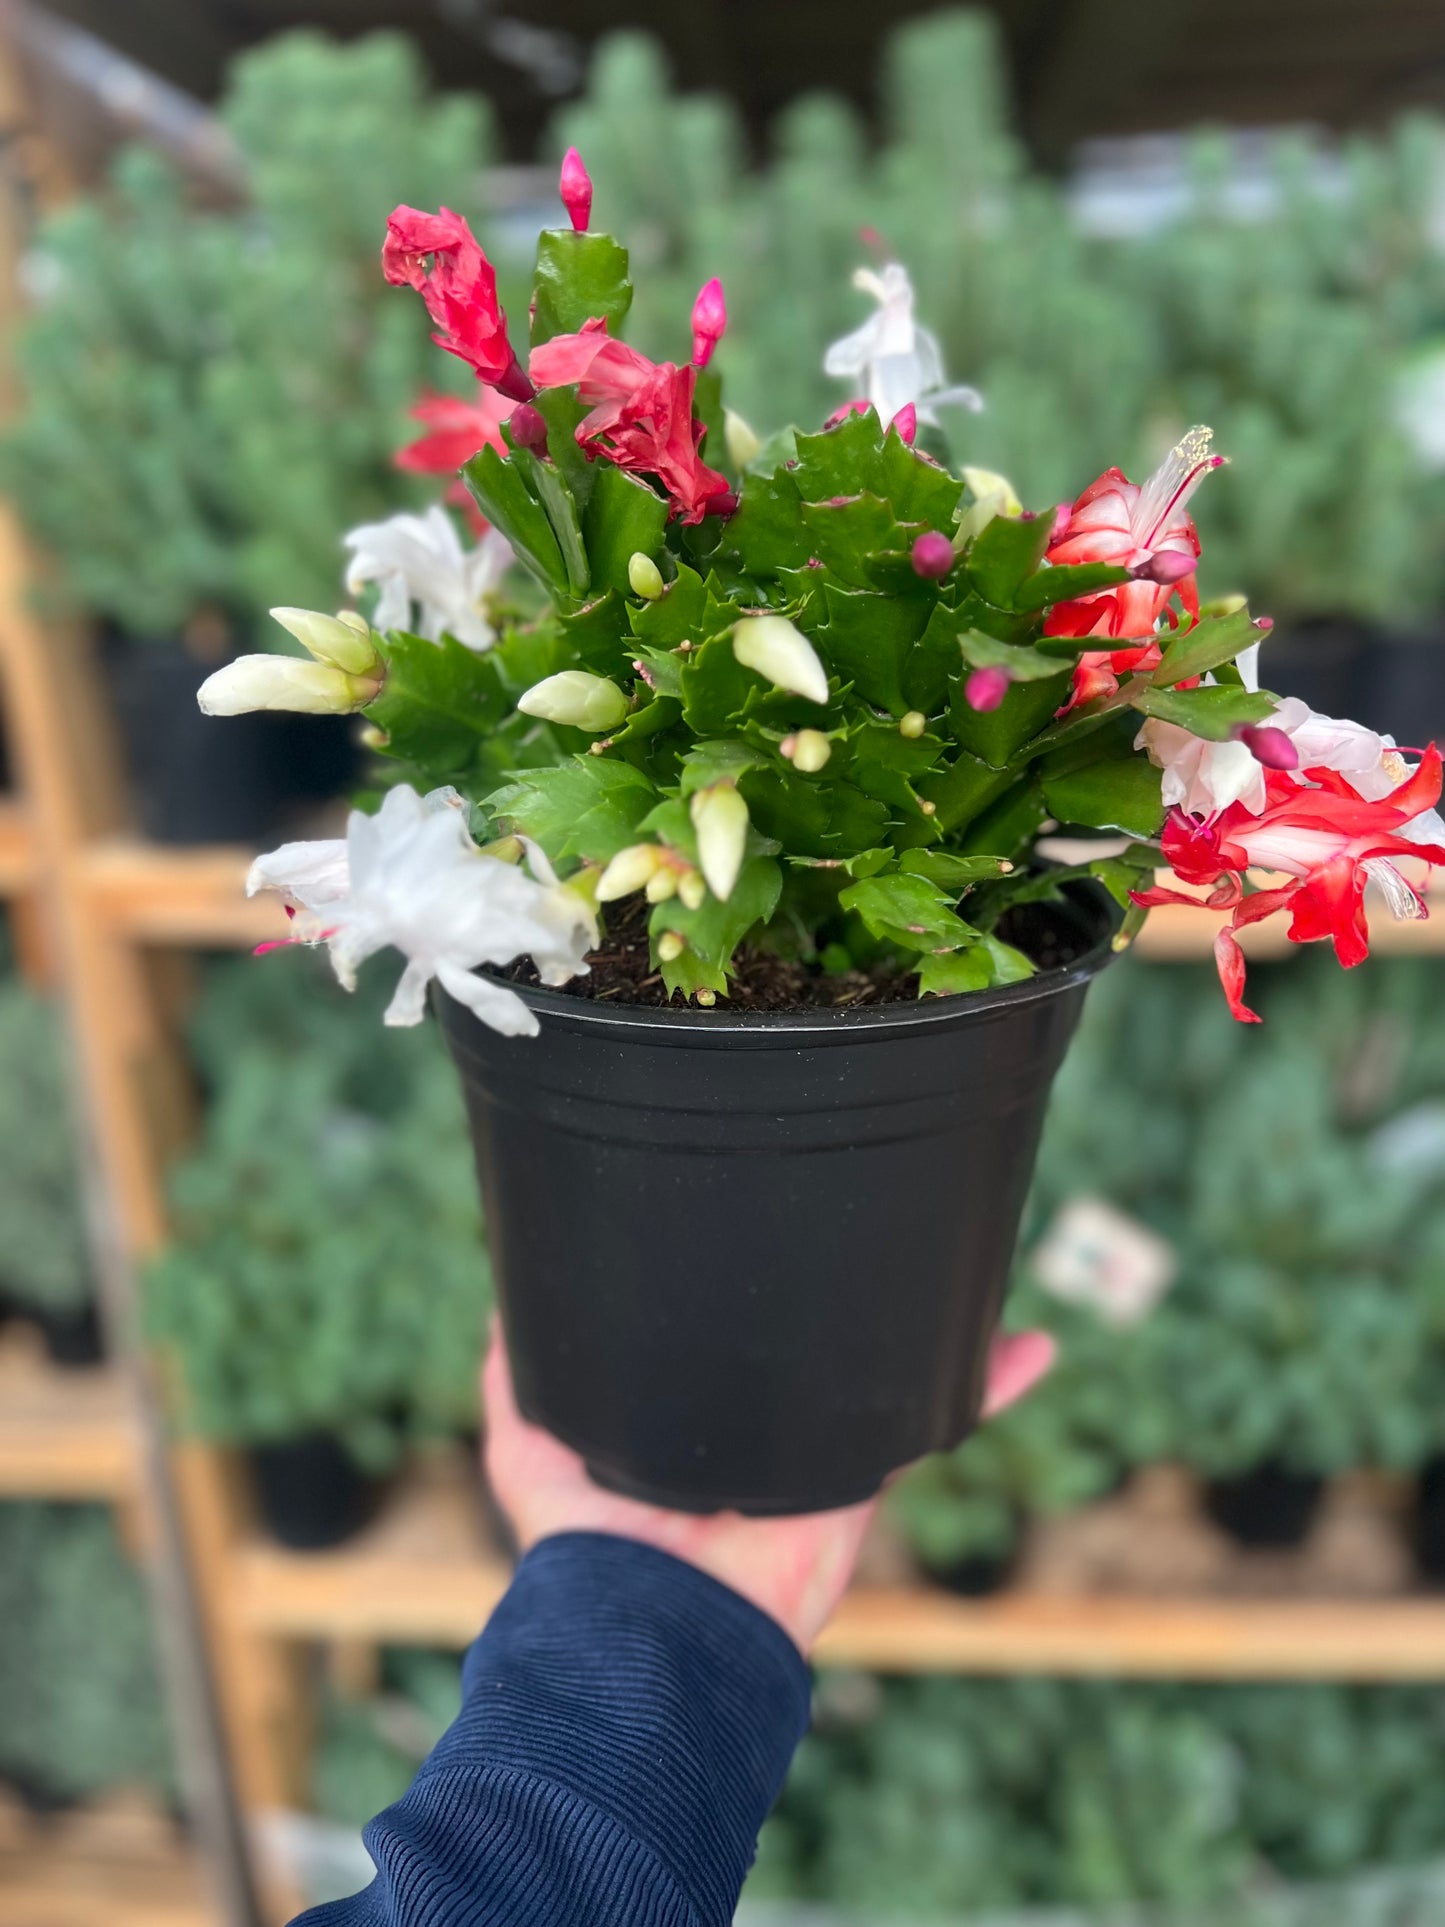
x=411, y=877
x=428, y=583
x=891, y=360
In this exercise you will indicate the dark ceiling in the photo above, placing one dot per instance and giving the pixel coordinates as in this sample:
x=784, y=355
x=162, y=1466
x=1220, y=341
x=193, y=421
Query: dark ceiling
x=1080, y=68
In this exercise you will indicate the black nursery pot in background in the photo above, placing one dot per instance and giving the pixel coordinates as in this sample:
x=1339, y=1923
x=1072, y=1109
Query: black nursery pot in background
x=73, y=1337
x=311, y=1492
x=755, y=1261
x=200, y=779
x=1267, y=1507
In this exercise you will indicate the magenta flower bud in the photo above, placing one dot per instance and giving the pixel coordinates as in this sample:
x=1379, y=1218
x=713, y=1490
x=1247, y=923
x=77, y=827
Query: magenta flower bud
x=906, y=422
x=986, y=688
x=932, y=556
x=1166, y=567
x=527, y=428
x=709, y=321
x=725, y=502
x=576, y=190
x=1269, y=746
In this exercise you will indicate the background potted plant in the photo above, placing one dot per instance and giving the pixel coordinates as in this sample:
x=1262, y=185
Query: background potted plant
x=326, y=1292
x=83, y=1707
x=213, y=394
x=45, y=1270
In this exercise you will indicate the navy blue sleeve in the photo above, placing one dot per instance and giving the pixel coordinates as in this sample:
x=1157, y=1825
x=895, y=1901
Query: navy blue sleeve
x=626, y=1724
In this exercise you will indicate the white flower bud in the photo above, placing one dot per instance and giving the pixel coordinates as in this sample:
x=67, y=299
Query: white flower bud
x=740, y=439
x=670, y=946
x=281, y=682
x=987, y=481
x=811, y=750
x=631, y=869
x=912, y=723
x=707, y=998
x=691, y=889
x=782, y=653
x=720, y=817
x=662, y=884
x=644, y=576
x=578, y=698
x=337, y=640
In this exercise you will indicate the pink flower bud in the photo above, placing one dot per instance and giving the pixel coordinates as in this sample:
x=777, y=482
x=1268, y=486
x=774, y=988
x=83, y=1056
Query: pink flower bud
x=932, y=556
x=906, y=421
x=1269, y=746
x=1264, y=624
x=986, y=688
x=527, y=428
x=1166, y=567
x=709, y=321
x=576, y=190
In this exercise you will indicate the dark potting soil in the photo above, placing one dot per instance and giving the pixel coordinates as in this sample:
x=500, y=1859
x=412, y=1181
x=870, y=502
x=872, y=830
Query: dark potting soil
x=623, y=972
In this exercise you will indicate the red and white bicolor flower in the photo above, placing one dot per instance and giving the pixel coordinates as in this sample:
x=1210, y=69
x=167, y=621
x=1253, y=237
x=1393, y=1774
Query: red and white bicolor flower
x=1328, y=840
x=1145, y=528
x=640, y=414
x=1203, y=778
x=411, y=878
x=892, y=362
x=439, y=256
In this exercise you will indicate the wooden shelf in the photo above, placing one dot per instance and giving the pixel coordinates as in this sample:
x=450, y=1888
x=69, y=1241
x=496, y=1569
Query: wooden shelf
x=149, y=893
x=924, y=1632
x=425, y=1573
x=17, y=850
x=117, y=1865
x=63, y=1434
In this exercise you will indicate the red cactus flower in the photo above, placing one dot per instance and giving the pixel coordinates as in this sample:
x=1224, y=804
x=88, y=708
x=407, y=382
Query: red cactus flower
x=1141, y=527
x=641, y=413
x=459, y=289
x=457, y=430
x=1328, y=840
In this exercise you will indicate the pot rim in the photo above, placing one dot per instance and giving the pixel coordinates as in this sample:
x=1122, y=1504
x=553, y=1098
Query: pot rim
x=919, y=1015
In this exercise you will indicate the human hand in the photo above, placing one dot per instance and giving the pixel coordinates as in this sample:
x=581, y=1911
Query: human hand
x=796, y=1570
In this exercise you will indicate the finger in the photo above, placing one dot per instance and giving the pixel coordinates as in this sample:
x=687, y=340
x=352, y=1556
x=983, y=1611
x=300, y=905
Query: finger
x=1015, y=1365
x=497, y=1394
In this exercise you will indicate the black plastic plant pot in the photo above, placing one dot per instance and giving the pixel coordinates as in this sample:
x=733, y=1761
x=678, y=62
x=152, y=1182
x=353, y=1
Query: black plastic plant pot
x=976, y=1575
x=755, y=1261
x=1428, y=1525
x=73, y=1337
x=203, y=779
x=1269, y=1507
x=311, y=1492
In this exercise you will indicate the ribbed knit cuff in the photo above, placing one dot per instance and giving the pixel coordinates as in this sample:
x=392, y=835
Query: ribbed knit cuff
x=626, y=1724
x=653, y=1692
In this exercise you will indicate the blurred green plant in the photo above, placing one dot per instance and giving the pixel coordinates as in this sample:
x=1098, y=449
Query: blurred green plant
x=1287, y=327
x=212, y=397
x=81, y=1699
x=955, y=1797
x=327, y=1271
x=44, y=1263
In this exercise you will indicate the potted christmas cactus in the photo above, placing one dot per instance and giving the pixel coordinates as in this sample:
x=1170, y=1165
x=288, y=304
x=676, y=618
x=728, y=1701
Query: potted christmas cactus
x=721, y=853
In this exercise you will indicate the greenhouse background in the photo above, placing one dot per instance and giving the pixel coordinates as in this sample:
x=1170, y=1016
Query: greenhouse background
x=1164, y=1646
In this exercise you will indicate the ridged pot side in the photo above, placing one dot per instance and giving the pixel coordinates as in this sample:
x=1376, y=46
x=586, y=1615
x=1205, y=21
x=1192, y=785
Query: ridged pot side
x=755, y=1261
